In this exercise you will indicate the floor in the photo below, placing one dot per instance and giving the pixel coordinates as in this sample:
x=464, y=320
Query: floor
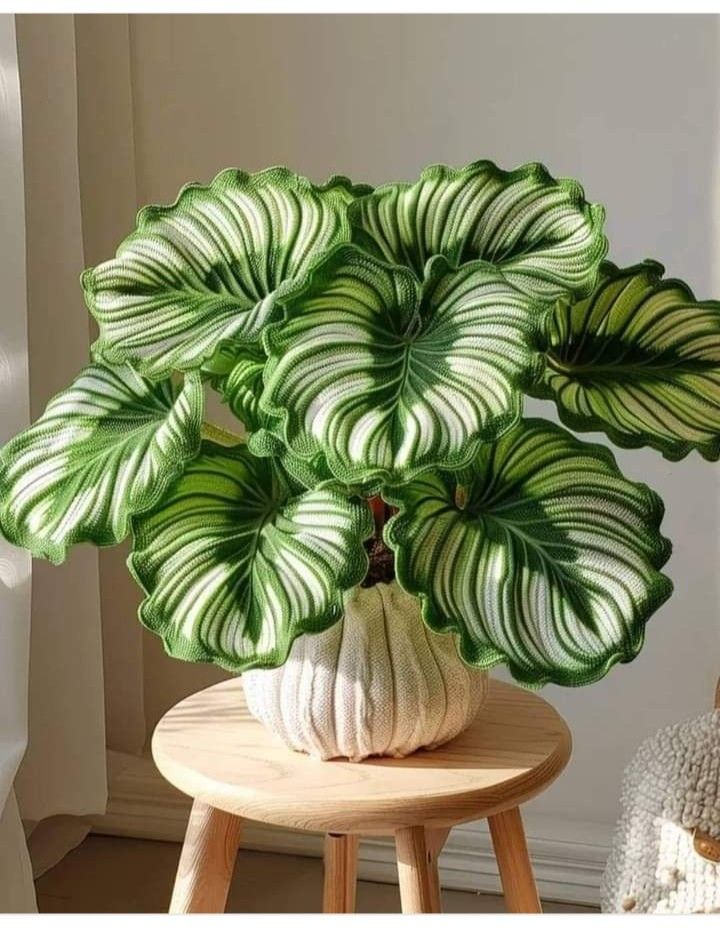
x=129, y=875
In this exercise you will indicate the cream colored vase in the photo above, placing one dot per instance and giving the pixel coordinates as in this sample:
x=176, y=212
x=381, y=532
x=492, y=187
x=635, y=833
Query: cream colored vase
x=377, y=682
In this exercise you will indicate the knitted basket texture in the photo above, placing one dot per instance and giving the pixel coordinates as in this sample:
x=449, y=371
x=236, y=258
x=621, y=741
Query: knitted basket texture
x=377, y=683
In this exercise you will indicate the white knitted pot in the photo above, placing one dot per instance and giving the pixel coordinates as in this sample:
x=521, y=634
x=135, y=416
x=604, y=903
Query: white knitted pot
x=377, y=682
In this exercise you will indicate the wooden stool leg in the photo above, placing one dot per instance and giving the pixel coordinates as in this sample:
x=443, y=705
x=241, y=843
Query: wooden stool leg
x=416, y=871
x=516, y=873
x=341, y=854
x=206, y=861
x=435, y=838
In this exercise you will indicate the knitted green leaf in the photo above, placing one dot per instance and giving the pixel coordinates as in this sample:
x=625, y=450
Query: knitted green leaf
x=242, y=384
x=387, y=377
x=235, y=565
x=208, y=268
x=541, y=555
x=237, y=373
x=638, y=359
x=539, y=231
x=106, y=448
x=308, y=472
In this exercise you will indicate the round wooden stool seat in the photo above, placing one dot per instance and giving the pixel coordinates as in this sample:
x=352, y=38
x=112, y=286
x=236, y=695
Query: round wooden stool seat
x=210, y=747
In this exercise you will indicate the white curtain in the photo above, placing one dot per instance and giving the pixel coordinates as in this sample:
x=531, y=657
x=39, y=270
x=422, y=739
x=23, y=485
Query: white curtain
x=52, y=708
x=16, y=888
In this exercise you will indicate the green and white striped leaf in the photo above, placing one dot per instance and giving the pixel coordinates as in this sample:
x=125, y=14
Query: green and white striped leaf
x=106, y=448
x=541, y=232
x=235, y=566
x=540, y=555
x=207, y=269
x=241, y=385
x=387, y=377
x=309, y=473
x=638, y=359
x=238, y=376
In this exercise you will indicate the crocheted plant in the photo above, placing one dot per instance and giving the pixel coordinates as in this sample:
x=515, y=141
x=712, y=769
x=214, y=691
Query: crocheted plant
x=375, y=346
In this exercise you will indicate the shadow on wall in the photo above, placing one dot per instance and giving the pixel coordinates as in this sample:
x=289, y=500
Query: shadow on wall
x=627, y=104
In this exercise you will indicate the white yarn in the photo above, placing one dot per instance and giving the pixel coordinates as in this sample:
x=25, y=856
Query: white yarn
x=377, y=682
x=671, y=787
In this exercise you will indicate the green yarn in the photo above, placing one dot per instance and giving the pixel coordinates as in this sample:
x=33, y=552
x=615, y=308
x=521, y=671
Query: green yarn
x=540, y=555
x=387, y=377
x=210, y=267
x=241, y=385
x=236, y=563
x=540, y=232
x=105, y=448
x=376, y=342
x=640, y=360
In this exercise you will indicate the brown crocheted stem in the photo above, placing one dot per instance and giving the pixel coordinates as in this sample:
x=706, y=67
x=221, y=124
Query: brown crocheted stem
x=382, y=559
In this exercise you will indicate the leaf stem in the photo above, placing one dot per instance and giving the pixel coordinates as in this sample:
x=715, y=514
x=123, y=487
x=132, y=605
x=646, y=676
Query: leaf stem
x=379, y=515
x=225, y=438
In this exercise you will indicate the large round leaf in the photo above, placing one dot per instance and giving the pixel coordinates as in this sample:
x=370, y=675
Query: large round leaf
x=539, y=231
x=207, y=268
x=541, y=555
x=387, y=377
x=106, y=448
x=640, y=360
x=235, y=565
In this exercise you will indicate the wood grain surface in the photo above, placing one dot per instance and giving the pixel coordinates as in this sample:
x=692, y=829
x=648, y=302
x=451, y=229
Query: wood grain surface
x=417, y=871
x=511, y=853
x=206, y=861
x=211, y=748
x=340, y=885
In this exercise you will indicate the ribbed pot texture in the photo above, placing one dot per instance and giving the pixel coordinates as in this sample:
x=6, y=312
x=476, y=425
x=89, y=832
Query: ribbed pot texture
x=378, y=682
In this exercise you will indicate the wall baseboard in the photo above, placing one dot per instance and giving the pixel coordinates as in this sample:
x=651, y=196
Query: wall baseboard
x=568, y=856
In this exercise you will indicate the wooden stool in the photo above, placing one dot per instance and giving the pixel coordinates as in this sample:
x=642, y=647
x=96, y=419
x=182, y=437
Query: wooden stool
x=210, y=747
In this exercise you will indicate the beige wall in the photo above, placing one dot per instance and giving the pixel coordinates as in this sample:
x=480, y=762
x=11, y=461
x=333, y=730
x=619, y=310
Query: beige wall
x=627, y=104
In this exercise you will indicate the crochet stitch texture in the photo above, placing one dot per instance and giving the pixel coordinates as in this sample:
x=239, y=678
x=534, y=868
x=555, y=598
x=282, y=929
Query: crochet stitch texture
x=670, y=790
x=376, y=347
